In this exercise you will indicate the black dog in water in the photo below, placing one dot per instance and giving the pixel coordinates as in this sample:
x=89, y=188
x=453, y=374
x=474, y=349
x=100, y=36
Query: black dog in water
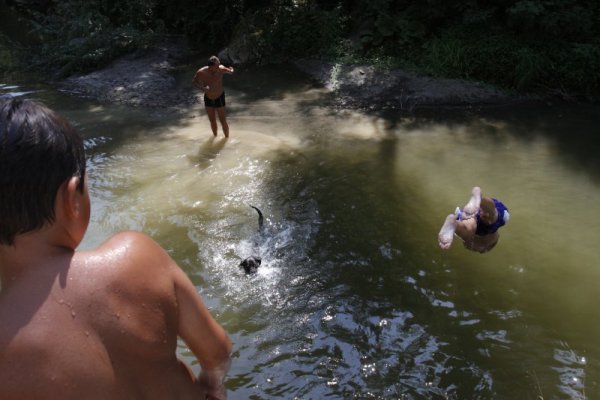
x=251, y=264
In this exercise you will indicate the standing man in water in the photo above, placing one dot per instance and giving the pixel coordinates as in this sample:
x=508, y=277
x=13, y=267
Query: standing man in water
x=95, y=324
x=209, y=79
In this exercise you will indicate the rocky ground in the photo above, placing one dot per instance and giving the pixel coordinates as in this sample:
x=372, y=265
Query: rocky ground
x=364, y=87
x=148, y=81
x=137, y=80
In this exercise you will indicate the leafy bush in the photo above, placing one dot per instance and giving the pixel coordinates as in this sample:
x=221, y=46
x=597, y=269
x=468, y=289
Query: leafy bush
x=78, y=35
x=575, y=69
x=9, y=54
x=511, y=62
x=558, y=19
x=301, y=30
x=205, y=23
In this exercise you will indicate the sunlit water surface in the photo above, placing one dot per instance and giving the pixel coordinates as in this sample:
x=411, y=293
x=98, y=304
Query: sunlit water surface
x=354, y=299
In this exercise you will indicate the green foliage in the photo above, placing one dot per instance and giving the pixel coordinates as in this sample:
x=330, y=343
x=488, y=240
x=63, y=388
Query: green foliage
x=527, y=45
x=207, y=24
x=558, y=19
x=511, y=62
x=381, y=24
x=9, y=54
x=446, y=55
x=302, y=30
x=576, y=69
x=79, y=35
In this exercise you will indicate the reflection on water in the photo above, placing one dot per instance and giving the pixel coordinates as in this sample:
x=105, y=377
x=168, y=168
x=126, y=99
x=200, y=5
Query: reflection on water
x=12, y=90
x=354, y=299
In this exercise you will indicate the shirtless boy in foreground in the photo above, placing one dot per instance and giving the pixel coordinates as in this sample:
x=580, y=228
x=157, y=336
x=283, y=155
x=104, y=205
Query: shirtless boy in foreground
x=98, y=324
x=476, y=224
x=209, y=79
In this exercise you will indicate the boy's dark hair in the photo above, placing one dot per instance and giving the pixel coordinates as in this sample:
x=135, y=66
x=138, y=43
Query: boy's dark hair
x=39, y=151
x=213, y=60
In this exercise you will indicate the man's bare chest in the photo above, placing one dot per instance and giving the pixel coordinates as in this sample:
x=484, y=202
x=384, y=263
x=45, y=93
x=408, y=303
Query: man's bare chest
x=213, y=77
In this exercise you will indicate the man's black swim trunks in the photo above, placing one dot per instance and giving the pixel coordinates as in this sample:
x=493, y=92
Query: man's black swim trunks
x=218, y=102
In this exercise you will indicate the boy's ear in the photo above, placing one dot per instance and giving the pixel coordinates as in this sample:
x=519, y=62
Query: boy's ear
x=72, y=197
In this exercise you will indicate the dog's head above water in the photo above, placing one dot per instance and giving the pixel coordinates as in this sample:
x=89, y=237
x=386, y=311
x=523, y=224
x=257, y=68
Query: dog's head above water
x=251, y=264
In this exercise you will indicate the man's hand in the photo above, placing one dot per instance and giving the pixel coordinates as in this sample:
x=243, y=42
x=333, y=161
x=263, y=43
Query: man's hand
x=226, y=69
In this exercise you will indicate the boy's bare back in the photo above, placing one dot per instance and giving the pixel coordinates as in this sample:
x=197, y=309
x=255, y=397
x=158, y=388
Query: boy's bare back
x=100, y=324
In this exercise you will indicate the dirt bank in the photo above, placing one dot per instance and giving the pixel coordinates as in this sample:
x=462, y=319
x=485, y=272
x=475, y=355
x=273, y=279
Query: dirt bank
x=137, y=80
x=364, y=87
x=148, y=81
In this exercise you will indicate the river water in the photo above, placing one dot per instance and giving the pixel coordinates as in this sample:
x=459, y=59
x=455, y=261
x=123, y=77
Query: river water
x=354, y=299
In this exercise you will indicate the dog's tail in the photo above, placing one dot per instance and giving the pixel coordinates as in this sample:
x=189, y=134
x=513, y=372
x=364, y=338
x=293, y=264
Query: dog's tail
x=260, y=218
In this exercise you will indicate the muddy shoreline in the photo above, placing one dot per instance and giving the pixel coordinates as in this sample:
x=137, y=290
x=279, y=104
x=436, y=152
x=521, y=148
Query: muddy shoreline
x=147, y=81
x=137, y=80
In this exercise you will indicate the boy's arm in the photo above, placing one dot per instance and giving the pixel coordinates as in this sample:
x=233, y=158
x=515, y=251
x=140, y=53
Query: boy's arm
x=142, y=258
x=204, y=336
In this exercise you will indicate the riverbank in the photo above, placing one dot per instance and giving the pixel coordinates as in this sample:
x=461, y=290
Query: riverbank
x=365, y=87
x=148, y=81
x=145, y=80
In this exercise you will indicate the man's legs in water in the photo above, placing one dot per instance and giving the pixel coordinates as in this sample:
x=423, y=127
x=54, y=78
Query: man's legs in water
x=223, y=119
x=210, y=111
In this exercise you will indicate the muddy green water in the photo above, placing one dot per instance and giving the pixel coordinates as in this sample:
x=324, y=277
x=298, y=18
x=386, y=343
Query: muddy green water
x=354, y=299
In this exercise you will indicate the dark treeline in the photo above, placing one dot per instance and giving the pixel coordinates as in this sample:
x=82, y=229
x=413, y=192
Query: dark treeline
x=544, y=46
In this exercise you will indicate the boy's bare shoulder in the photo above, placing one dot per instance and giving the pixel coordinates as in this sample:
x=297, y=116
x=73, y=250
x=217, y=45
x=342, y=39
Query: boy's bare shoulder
x=128, y=238
x=128, y=252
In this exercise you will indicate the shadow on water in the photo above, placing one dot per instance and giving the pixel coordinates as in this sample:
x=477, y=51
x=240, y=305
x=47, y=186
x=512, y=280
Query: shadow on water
x=567, y=125
x=207, y=152
x=575, y=142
